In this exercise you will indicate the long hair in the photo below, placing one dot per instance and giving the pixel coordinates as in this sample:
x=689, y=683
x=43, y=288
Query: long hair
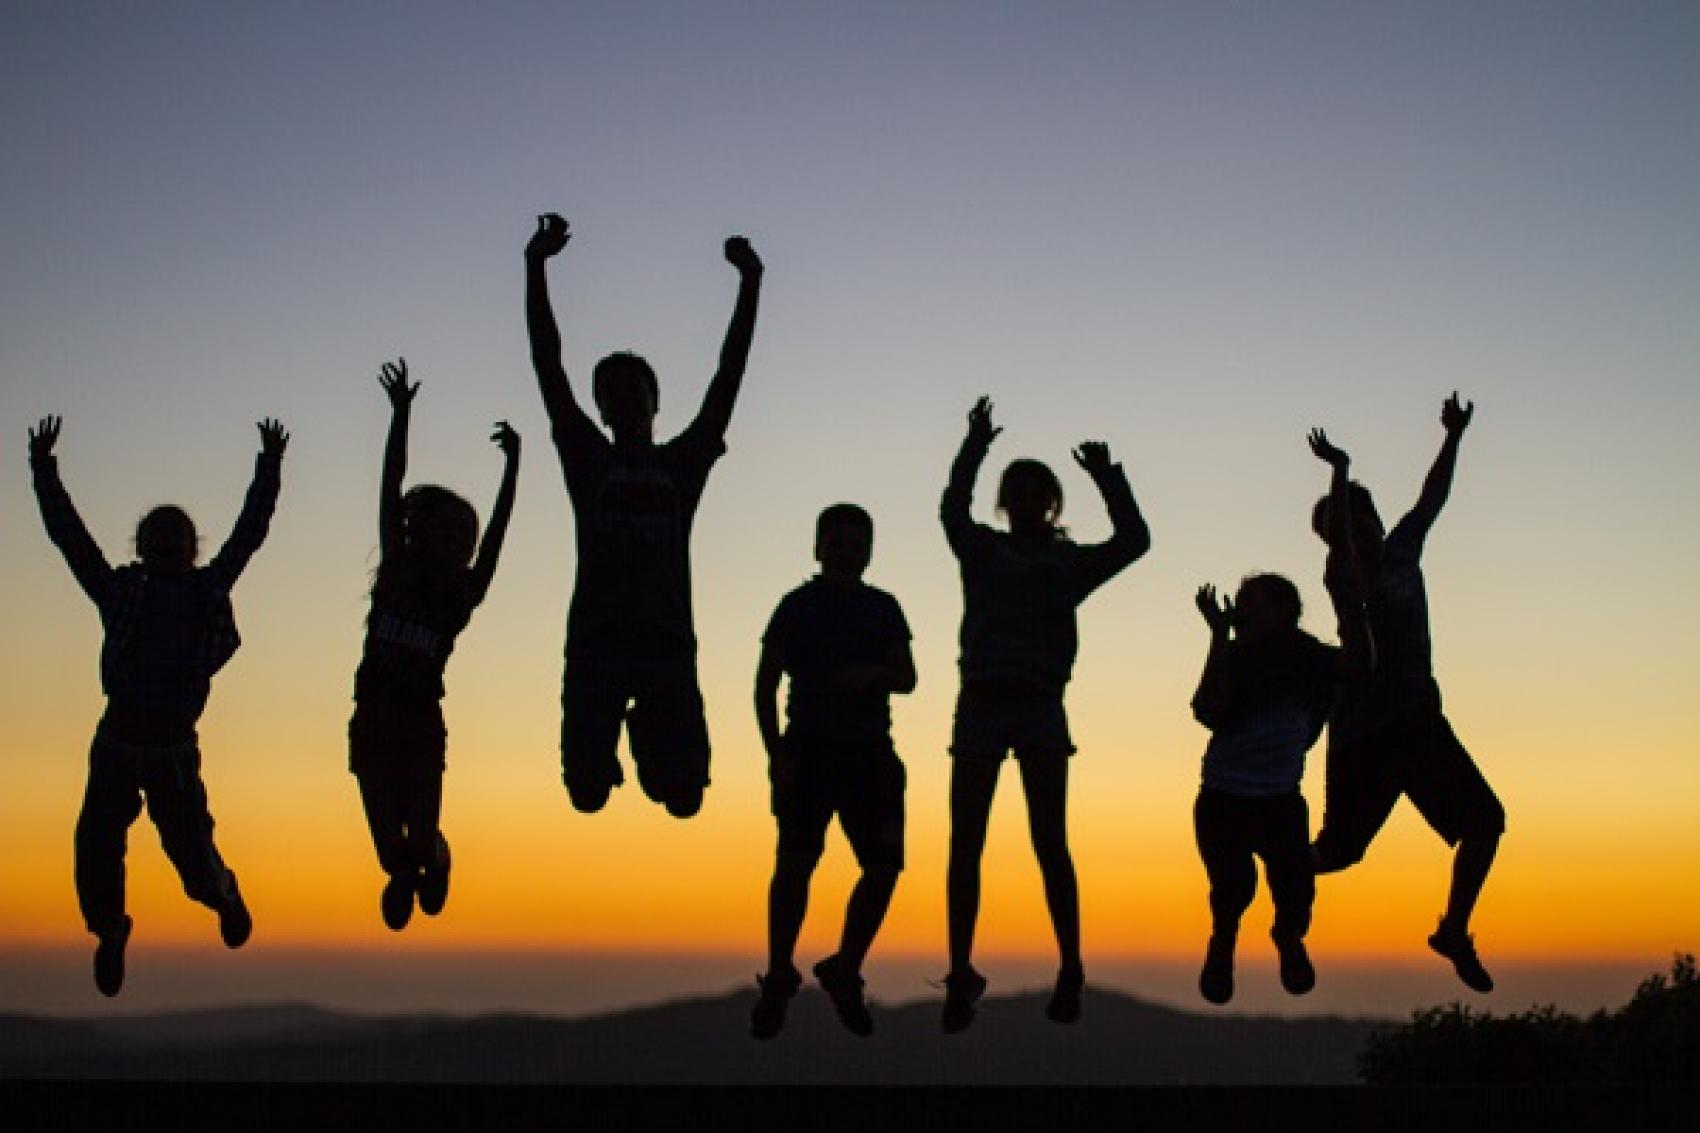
x=430, y=506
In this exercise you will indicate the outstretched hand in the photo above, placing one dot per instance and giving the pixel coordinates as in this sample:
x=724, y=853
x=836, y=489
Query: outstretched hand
x=1455, y=417
x=43, y=437
x=1326, y=451
x=393, y=377
x=980, y=428
x=506, y=439
x=273, y=439
x=743, y=257
x=1218, y=617
x=1093, y=457
x=551, y=236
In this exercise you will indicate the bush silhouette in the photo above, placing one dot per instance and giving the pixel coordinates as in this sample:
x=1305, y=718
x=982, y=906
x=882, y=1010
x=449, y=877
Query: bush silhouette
x=1654, y=1038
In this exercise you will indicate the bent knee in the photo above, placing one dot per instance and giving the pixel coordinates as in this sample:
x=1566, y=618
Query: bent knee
x=589, y=797
x=683, y=802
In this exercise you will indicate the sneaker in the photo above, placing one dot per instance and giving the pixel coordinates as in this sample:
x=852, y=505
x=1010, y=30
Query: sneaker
x=1460, y=948
x=962, y=990
x=397, y=901
x=234, y=923
x=844, y=988
x=1064, y=1006
x=1297, y=975
x=1216, y=978
x=767, y=1017
x=434, y=881
x=109, y=959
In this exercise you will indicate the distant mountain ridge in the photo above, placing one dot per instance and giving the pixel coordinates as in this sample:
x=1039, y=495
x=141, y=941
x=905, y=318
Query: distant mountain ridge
x=1121, y=1041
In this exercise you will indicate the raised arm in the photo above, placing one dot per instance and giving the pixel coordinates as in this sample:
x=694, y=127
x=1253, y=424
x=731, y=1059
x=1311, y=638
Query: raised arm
x=64, y=525
x=1437, y=486
x=1342, y=574
x=1130, y=537
x=393, y=378
x=565, y=415
x=716, y=412
x=490, y=548
x=954, y=507
x=1215, y=685
x=256, y=516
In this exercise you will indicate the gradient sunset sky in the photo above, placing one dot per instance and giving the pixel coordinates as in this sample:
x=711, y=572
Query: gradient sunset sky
x=1192, y=230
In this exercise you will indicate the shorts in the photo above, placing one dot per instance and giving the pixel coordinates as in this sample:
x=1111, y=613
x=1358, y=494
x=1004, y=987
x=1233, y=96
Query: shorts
x=863, y=786
x=1417, y=756
x=655, y=694
x=387, y=737
x=991, y=722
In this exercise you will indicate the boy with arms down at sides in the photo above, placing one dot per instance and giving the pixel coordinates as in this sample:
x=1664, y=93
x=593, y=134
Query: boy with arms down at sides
x=169, y=628
x=1265, y=694
x=845, y=647
x=631, y=643
x=1387, y=736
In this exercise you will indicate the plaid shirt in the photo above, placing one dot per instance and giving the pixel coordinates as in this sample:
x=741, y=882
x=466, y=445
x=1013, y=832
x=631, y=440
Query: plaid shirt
x=201, y=639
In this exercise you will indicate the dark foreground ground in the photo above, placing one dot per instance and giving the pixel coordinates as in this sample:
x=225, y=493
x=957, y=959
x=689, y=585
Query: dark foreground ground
x=691, y=1065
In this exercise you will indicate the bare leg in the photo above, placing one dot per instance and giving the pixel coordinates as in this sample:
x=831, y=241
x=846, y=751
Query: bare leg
x=865, y=913
x=972, y=782
x=1046, y=782
x=1470, y=865
x=787, y=902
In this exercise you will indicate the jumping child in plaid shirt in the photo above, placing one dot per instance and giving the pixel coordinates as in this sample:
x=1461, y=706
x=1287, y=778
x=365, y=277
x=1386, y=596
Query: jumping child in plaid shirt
x=169, y=627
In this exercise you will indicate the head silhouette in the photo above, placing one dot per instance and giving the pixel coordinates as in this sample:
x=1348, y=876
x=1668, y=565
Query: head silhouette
x=439, y=527
x=1367, y=531
x=1031, y=497
x=166, y=541
x=626, y=393
x=844, y=541
x=1266, y=603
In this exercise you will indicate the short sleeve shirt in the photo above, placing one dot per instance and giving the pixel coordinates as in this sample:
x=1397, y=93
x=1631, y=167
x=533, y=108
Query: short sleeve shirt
x=410, y=633
x=633, y=509
x=1403, y=678
x=822, y=628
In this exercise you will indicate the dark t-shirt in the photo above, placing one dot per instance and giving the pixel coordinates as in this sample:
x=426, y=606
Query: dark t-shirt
x=1403, y=678
x=1283, y=686
x=633, y=508
x=410, y=633
x=822, y=628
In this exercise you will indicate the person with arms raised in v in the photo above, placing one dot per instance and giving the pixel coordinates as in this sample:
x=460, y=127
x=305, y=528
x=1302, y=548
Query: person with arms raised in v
x=427, y=585
x=631, y=638
x=1387, y=736
x=1020, y=591
x=169, y=627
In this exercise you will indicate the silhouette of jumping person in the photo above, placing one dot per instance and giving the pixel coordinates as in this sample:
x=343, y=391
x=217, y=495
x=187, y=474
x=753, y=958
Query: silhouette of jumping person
x=631, y=644
x=1020, y=590
x=1388, y=737
x=845, y=647
x=1265, y=692
x=426, y=587
x=169, y=627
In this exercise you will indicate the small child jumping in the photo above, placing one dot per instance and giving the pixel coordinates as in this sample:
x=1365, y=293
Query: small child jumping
x=845, y=647
x=1265, y=694
x=427, y=585
x=169, y=627
x=1020, y=590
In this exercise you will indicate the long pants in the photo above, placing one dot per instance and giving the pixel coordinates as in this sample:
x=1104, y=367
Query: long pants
x=121, y=776
x=1231, y=830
